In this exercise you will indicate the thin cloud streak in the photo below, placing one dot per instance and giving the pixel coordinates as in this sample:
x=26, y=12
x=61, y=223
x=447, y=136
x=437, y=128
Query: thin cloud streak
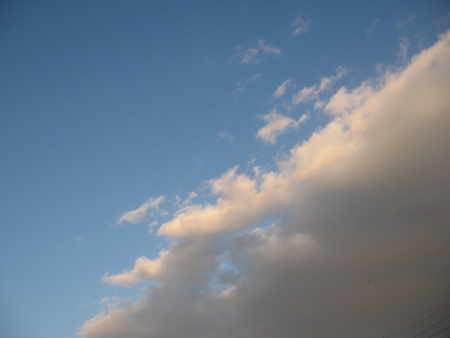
x=256, y=54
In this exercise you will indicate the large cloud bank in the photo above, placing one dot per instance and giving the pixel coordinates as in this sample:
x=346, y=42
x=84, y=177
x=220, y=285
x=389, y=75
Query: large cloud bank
x=360, y=245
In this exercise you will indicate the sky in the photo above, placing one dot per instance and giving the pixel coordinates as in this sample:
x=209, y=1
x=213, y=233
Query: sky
x=226, y=169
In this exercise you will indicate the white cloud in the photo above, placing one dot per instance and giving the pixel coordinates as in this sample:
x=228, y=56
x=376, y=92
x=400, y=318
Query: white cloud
x=276, y=124
x=283, y=88
x=312, y=92
x=363, y=240
x=245, y=201
x=300, y=25
x=344, y=100
x=255, y=54
x=139, y=214
x=144, y=269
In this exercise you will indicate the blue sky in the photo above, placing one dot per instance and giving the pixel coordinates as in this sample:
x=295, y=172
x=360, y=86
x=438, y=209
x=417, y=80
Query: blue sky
x=109, y=103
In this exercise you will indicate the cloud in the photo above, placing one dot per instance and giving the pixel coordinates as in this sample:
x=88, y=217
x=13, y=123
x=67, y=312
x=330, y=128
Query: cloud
x=372, y=27
x=359, y=245
x=254, y=54
x=311, y=93
x=276, y=124
x=403, y=23
x=345, y=100
x=181, y=203
x=226, y=136
x=139, y=214
x=144, y=269
x=403, y=50
x=282, y=88
x=300, y=25
x=242, y=85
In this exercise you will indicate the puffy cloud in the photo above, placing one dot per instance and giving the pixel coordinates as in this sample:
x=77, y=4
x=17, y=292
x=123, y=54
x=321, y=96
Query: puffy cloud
x=311, y=93
x=282, y=88
x=238, y=200
x=254, y=54
x=300, y=25
x=144, y=269
x=140, y=213
x=345, y=100
x=276, y=124
x=360, y=247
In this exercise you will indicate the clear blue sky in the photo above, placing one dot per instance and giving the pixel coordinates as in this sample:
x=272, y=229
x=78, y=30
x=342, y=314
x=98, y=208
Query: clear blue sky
x=105, y=104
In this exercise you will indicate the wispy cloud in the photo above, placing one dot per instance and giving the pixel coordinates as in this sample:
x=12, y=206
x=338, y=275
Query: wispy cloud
x=300, y=25
x=283, y=88
x=372, y=27
x=182, y=203
x=255, y=54
x=405, y=21
x=139, y=214
x=242, y=85
x=312, y=92
x=403, y=50
x=226, y=136
x=276, y=125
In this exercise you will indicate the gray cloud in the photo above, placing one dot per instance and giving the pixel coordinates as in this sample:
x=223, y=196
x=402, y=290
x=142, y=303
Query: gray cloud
x=360, y=245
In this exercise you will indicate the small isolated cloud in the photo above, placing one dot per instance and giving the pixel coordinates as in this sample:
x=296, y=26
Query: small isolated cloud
x=277, y=124
x=405, y=22
x=255, y=54
x=226, y=136
x=300, y=25
x=283, y=88
x=242, y=85
x=372, y=27
x=140, y=213
x=312, y=92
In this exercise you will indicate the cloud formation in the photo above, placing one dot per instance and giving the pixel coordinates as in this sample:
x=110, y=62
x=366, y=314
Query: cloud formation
x=300, y=25
x=345, y=100
x=139, y=214
x=359, y=245
x=312, y=92
x=283, y=88
x=144, y=268
x=255, y=54
x=277, y=124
